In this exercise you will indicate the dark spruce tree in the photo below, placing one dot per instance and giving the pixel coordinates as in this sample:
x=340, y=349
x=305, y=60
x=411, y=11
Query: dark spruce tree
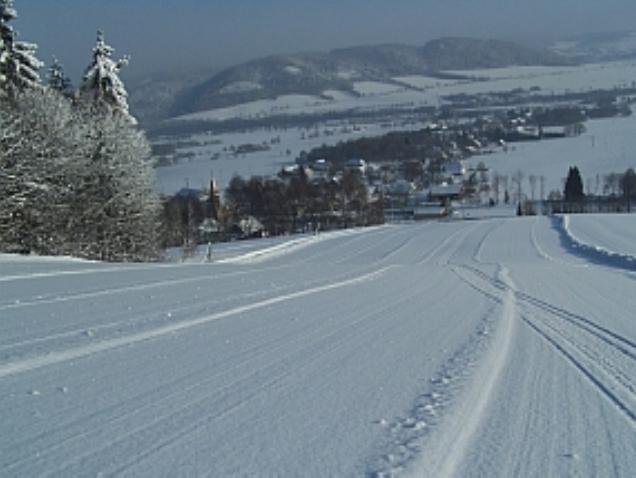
x=18, y=63
x=628, y=186
x=574, y=186
x=57, y=79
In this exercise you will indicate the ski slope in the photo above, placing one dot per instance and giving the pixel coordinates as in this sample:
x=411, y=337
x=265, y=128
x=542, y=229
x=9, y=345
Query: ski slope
x=468, y=348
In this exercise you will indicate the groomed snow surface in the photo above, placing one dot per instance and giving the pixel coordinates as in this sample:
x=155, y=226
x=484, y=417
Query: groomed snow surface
x=468, y=348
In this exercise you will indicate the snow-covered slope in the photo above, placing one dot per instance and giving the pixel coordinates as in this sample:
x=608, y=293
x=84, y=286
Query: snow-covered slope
x=609, y=232
x=477, y=348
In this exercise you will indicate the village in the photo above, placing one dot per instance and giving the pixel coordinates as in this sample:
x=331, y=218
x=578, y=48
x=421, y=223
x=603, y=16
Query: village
x=400, y=176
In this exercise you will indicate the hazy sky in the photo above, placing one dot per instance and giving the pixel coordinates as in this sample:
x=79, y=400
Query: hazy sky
x=169, y=34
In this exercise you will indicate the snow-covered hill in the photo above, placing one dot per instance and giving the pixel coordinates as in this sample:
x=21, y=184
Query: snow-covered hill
x=598, y=46
x=476, y=348
x=311, y=74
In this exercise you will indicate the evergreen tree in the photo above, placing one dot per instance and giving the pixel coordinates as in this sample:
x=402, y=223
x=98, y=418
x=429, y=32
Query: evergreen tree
x=57, y=79
x=116, y=209
x=573, y=191
x=628, y=186
x=37, y=146
x=18, y=63
x=74, y=178
x=101, y=83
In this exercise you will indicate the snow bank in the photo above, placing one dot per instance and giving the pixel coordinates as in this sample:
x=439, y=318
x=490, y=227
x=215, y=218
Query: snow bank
x=288, y=247
x=591, y=252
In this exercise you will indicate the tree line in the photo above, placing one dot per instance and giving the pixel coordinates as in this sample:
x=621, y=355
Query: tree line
x=75, y=172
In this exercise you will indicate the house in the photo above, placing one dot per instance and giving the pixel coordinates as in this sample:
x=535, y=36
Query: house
x=430, y=210
x=446, y=192
x=359, y=165
x=247, y=228
x=400, y=187
x=187, y=192
x=320, y=165
x=455, y=170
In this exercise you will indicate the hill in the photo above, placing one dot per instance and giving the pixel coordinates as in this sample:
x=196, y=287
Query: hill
x=313, y=73
x=598, y=47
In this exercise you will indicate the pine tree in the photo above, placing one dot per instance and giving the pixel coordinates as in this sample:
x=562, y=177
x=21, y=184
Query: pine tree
x=101, y=83
x=18, y=63
x=116, y=209
x=573, y=190
x=57, y=79
x=37, y=145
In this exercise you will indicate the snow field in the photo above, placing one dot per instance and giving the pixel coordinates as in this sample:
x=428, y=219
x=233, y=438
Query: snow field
x=198, y=170
x=607, y=146
x=357, y=354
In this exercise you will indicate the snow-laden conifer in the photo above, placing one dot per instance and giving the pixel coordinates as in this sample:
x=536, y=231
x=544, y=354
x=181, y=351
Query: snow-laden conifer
x=37, y=146
x=116, y=208
x=19, y=65
x=101, y=82
x=57, y=79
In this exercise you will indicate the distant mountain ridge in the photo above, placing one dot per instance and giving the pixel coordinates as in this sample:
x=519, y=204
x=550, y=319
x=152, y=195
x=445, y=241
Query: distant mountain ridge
x=313, y=73
x=598, y=47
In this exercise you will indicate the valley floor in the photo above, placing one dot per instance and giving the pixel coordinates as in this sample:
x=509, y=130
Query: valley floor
x=471, y=348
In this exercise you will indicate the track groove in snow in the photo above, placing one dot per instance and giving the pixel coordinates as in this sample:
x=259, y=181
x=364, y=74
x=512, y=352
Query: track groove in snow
x=612, y=384
x=619, y=342
x=57, y=357
x=448, y=446
x=148, y=318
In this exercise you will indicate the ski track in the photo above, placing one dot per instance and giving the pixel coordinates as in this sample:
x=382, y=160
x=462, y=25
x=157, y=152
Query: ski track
x=437, y=423
x=57, y=357
x=451, y=444
x=152, y=316
x=334, y=337
x=132, y=288
x=568, y=341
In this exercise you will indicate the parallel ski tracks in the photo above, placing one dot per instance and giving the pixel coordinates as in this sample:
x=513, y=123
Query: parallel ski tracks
x=610, y=379
x=621, y=343
x=52, y=358
x=324, y=342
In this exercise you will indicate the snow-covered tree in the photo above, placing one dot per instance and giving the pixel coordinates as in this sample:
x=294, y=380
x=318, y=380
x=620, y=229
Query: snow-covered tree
x=37, y=144
x=116, y=209
x=101, y=82
x=57, y=78
x=74, y=180
x=18, y=63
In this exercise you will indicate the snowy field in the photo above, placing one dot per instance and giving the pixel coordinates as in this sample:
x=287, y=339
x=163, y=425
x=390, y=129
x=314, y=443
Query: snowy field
x=608, y=146
x=197, y=170
x=468, y=348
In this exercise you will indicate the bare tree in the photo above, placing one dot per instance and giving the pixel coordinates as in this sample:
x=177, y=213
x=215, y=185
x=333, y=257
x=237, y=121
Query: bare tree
x=517, y=180
x=496, y=183
x=532, y=179
x=611, y=184
x=542, y=186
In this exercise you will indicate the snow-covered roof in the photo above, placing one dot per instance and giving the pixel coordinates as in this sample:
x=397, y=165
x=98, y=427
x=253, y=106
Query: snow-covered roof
x=454, y=168
x=446, y=190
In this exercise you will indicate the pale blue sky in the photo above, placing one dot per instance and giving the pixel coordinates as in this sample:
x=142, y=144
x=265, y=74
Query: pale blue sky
x=169, y=34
